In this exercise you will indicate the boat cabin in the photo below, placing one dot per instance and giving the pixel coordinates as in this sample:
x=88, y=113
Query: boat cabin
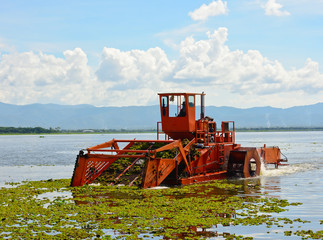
x=179, y=119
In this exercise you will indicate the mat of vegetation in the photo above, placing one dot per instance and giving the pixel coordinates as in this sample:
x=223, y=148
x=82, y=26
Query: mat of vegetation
x=53, y=210
x=133, y=176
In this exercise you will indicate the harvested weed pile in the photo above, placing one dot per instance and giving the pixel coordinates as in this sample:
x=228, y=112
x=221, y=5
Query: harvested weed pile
x=133, y=167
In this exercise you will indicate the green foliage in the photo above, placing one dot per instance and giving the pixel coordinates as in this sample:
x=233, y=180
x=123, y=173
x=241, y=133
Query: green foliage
x=109, y=176
x=27, y=130
x=40, y=130
x=309, y=234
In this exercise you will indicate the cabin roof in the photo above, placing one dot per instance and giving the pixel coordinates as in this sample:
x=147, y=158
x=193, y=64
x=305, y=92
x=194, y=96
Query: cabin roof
x=178, y=94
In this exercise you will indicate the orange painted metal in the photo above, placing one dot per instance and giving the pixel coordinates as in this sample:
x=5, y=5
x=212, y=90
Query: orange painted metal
x=203, y=177
x=98, y=158
x=271, y=155
x=181, y=125
x=157, y=169
x=207, y=155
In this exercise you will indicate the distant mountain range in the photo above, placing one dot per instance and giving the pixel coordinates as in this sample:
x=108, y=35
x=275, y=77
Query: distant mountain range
x=145, y=117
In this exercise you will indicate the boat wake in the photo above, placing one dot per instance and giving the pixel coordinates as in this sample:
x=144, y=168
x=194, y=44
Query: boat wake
x=286, y=170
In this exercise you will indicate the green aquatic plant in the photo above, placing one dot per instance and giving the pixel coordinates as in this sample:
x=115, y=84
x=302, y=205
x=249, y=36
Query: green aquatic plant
x=39, y=209
x=309, y=234
x=134, y=174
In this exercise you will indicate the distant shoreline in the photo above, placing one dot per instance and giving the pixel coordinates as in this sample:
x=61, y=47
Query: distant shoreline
x=51, y=131
x=279, y=129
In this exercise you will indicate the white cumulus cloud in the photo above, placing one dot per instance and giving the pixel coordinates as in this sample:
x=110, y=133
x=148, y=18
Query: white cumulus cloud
x=272, y=8
x=36, y=77
x=134, y=67
x=211, y=61
x=229, y=77
x=213, y=9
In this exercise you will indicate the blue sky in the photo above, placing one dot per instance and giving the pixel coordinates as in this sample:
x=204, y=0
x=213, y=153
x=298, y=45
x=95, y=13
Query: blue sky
x=118, y=53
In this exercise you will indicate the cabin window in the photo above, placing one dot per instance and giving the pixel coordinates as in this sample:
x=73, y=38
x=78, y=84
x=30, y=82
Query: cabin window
x=191, y=101
x=164, y=104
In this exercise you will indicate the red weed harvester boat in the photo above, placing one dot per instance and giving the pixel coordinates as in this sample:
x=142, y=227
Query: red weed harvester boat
x=191, y=151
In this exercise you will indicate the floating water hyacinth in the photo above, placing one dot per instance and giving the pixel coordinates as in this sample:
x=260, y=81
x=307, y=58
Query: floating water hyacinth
x=29, y=212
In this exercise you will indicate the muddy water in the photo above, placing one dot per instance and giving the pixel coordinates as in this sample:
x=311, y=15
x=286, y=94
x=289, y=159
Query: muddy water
x=34, y=158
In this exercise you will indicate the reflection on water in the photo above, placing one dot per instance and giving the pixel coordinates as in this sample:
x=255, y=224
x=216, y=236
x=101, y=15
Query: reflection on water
x=204, y=232
x=271, y=186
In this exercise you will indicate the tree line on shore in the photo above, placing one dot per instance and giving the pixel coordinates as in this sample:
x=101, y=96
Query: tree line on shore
x=27, y=130
x=40, y=130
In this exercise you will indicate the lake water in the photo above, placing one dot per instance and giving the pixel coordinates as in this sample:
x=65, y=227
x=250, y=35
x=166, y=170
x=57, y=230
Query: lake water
x=31, y=157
